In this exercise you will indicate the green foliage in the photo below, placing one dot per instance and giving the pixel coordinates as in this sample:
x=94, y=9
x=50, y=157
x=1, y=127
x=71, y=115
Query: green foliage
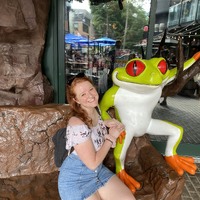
x=108, y=20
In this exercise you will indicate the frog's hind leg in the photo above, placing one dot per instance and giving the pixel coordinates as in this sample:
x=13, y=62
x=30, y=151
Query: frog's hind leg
x=120, y=155
x=175, y=133
x=179, y=163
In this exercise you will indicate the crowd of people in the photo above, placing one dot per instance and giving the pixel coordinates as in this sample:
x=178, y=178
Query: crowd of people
x=98, y=64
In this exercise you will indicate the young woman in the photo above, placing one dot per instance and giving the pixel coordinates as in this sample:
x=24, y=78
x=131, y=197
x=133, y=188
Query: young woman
x=82, y=174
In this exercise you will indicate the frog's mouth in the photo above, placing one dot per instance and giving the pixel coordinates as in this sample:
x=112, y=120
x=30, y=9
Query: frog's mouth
x=133, y=86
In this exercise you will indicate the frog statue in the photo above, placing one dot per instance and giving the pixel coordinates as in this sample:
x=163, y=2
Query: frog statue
x=136, y=91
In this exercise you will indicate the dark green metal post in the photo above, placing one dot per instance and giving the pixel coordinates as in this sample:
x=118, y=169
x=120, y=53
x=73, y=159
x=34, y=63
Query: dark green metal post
x=53, y=60
x=152, y=17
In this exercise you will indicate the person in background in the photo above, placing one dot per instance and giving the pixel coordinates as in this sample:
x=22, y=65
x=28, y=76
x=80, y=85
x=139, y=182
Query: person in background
x=112, y=54
x=131, y=56
x=197, y=81
x=83, y=174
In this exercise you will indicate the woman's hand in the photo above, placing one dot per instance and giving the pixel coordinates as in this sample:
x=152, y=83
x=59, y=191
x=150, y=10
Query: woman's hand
x=113, y=122
x=116, y=130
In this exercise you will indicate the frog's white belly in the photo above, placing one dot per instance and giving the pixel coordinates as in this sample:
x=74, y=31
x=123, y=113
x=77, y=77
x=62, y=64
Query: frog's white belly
x=135, y=110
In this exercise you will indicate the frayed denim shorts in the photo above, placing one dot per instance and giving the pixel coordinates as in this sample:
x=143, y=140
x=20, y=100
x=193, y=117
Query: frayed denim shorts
x=78, y=182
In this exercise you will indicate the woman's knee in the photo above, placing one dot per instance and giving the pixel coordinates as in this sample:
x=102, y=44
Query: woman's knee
x=116, y=189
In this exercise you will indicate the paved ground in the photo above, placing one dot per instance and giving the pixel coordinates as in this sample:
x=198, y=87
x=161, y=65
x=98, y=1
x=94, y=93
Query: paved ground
x=185, y=112
x=192, y=186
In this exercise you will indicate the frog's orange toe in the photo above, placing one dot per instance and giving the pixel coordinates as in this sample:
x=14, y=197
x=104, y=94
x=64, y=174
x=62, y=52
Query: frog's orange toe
x=129, y=181
x=121, y=137
x=181, y=164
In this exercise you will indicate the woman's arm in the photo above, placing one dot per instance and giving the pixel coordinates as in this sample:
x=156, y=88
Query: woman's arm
x=89, y=156
x=86, y=150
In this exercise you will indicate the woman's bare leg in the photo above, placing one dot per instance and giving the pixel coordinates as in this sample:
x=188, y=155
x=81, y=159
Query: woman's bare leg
x=94, y=197
x=115, y=189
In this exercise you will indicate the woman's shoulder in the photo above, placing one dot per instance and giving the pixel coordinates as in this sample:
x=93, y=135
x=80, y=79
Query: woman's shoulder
x=75, y=121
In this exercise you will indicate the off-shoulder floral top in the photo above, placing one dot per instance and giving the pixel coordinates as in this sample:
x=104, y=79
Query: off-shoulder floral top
x=80, y=133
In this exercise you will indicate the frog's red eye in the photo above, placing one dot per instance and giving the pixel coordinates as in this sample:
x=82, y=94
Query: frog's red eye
x=162, y=66
x=135, y=68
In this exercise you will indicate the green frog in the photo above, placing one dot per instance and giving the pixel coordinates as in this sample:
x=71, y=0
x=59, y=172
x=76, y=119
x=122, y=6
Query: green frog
x=136, y=91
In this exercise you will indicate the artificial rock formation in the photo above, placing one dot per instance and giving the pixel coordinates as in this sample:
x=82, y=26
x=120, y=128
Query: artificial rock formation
x=27, y=164
x=25, y=138
x=23, y=25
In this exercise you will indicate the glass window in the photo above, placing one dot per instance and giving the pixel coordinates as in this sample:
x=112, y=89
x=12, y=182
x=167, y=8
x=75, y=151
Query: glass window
x=174, y=15
x=85, y=28
x=198, y=11
x=75, y=25
x=188, y=12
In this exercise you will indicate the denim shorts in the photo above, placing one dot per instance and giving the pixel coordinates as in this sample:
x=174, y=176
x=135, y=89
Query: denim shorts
x=78, y=182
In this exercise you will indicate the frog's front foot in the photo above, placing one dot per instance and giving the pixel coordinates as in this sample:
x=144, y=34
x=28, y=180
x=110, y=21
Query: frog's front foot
x=121, y=137
x=129, y=181
x=181, y=164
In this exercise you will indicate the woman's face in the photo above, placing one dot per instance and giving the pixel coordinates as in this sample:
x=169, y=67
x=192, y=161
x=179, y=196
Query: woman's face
x=86, y=95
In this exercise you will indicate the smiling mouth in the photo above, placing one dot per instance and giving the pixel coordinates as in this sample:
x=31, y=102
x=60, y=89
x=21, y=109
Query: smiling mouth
x=91, y=100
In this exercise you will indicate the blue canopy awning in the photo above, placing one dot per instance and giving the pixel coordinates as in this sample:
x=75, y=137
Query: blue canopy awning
x=70, y=36
x=72, y=39
x=105, y=40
